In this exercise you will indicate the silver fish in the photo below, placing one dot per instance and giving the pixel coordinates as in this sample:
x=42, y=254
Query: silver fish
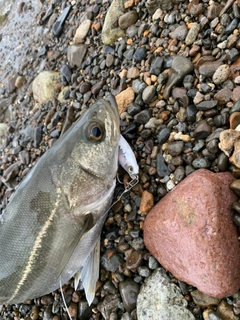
x=52, y=224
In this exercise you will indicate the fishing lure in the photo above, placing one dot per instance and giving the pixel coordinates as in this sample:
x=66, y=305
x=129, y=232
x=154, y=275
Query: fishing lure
x=127, y=159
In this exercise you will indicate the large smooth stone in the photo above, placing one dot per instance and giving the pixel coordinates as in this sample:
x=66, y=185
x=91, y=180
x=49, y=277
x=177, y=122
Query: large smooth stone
x=191, y=233
x=44, y=86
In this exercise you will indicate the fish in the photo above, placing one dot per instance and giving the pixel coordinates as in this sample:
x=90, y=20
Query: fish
x=127, y=159
x=50, y=229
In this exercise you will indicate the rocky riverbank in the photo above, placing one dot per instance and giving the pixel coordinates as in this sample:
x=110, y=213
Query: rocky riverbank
x=174, y=70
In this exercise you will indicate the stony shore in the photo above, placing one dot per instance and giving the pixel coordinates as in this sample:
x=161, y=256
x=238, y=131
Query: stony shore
x=174, y=69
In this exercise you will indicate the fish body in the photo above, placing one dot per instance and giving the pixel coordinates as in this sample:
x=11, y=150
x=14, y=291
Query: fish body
x=127, y=158
x=51, y=227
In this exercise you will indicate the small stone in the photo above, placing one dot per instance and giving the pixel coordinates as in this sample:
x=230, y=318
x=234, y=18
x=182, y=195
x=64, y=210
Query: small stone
x=163, y=135
x=223, y=96
x=226, y=311
x=236, y=94
x=140, y=54
x=227, y=139
x=192, y=34
x=201, y=163
x=95, y=89
x=20, y=81
x=203, y=300
x=175, y=148
x=133, y=73
x=133, y=109
x=191, y=112
x=234, y=120
x=175, y=233
x=75, y=55
x=138, y=86
x=129, y=291
x=134, y=260
x=179, y=33
x=235, y=69
x=207, y=69
x=156, y=66
x=222, y=162
x=127, y=19
x=147, y=202
x=148, y=94
x=11, y=172
x=202, y=130
x=82, y=31
x=162, y=168
x=124, y=99
x=221, y=74
x=143, y=116
x=181, y=66
x=66, y=72
x=111, y=261
x=206, y=105
x=160, y=298
x=235, y=186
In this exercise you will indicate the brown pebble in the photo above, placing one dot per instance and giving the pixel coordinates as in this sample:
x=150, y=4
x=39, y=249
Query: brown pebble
x=134, y=260
x=236, y=94
x=34, y=313
x=235, y=186
x=124, y=99
x=147, y=202
x=76, y=296
x=223, y=96
x=234, y=120
x=47, y=300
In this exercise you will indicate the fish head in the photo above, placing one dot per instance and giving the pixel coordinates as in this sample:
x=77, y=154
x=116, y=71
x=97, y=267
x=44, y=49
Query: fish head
x=97, y=149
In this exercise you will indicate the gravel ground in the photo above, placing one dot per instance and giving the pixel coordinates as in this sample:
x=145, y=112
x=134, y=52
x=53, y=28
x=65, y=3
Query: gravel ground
x=204, y=36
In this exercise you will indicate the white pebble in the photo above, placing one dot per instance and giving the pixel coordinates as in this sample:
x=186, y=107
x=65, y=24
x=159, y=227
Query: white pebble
x=170, y=185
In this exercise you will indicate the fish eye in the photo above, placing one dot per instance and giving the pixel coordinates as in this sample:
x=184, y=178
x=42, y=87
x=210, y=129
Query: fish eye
x=95, y=132
x=130, y=169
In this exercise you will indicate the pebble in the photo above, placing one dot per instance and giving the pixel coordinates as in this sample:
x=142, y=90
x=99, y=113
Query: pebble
x=129, y=290
x=148, y=94
x=167, y=304
x=181, y=66
x=206, y=105
x=221, y=74
x=164, y=135
x=202, y=130
x=143, y=116
x=201, y=163
x=156, y=66
x=162, y=168
x=133, y=73
x=44, y=86
x=203, y=300
x=124, y=99
x=75, y=55
x=192, y=33
x=177, y=223
x=147, y=202
x=127, y=19
x=175, y=148
x=140, y=54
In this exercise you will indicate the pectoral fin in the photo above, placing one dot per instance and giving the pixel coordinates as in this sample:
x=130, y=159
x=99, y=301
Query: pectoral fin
x=89, y=273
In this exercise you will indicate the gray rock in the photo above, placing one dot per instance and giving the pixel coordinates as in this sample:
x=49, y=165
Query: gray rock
x=148, y=94
x=164, y=135
x=129, y=290
x=75, y=55
x=201, y=163
x=192, y=33
x=143, y=117
x=206, y=105
x=162, y=168
x=159, y=298
x=181, y=66
x=110, y=33
x=138, y=86
x=156, y=66
x=127, y=19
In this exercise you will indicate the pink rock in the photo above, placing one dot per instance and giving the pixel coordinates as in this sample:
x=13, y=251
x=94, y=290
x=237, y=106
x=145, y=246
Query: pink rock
x=191, y=233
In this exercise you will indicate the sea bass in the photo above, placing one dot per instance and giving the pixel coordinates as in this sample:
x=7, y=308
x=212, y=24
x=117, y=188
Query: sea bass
x=51, y=227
